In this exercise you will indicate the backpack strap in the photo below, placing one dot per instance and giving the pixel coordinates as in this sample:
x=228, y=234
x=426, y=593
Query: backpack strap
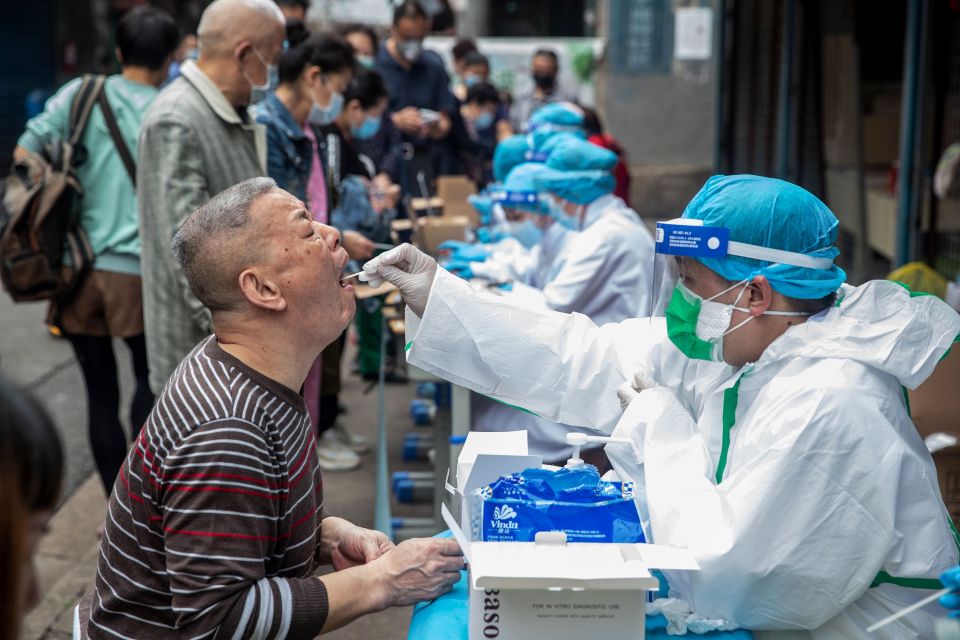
x=82, y=105
x=118, y=140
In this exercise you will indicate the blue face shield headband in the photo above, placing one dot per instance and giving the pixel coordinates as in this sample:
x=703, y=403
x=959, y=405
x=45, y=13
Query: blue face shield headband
x=697, y=326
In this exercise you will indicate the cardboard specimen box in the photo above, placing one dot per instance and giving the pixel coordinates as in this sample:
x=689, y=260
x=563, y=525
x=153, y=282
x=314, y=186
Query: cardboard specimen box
x=548, y=589
x=454, y=190
x=431, y=231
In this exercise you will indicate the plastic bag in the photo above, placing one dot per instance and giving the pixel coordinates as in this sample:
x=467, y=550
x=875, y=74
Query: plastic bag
x=574, y=501
x=681, y=620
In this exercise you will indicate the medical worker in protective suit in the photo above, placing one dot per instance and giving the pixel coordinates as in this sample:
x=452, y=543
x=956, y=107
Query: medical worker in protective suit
x=603, y=269
x=770, y=433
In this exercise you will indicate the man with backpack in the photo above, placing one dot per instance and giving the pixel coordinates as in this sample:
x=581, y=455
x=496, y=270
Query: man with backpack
x=106, y=303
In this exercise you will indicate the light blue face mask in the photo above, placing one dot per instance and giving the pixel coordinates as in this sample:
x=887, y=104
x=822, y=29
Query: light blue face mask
x=259, y=91
x=366, y=62
x=564, y=219
x=471, y=79
x=321, y=116
x=367, y=129
x=484, y=120
x=526, y=233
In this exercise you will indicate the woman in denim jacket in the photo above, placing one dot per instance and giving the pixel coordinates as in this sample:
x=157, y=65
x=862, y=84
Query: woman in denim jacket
x=314, y=72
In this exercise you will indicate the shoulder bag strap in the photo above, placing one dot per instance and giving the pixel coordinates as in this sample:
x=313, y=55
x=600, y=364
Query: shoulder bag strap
x=118, y=140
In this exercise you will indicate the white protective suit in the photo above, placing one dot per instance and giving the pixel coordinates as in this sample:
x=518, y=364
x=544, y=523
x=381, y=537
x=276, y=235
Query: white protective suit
x=825, y=484
x=602, y=272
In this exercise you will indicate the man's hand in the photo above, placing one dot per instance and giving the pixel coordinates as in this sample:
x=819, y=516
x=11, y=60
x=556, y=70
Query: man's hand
x=357, y=546
x=358, y=246
x=408, y=269
x=418, y=570
x=408, y=120
x=440, y=129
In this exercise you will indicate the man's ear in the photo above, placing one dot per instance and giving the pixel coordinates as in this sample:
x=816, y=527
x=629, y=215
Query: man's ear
x=761, y=295
x=116, y=52
x=261, y=291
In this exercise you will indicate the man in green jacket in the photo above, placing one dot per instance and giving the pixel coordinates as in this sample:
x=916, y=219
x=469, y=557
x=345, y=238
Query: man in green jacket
x=109, y=304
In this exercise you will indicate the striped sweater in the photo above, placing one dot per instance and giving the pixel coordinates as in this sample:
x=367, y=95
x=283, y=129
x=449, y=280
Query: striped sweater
x=214, y=520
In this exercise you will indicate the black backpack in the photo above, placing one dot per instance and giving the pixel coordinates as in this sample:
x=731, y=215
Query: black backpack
x=39, y=209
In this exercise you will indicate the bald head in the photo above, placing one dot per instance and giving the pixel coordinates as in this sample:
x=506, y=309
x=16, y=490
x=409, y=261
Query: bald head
x=227, y=23
x=221, y=239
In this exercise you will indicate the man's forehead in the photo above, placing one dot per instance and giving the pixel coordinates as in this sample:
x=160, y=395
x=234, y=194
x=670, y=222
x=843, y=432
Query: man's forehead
x=279, y=203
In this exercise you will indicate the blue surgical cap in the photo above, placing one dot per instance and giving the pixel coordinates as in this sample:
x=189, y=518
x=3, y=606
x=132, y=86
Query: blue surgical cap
x=578, y=171
x=483, y=204
x=771, y=213
x=508, y=154
x=522, y=182
x=564, y=114
x=553, y=119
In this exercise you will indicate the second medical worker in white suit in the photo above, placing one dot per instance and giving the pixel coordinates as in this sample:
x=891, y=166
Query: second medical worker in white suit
x=771, y=434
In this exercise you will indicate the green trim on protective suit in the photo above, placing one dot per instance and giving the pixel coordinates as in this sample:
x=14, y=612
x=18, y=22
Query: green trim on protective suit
x=512, y=406
x=408, y=346
x=731, y=397
x=911, y=583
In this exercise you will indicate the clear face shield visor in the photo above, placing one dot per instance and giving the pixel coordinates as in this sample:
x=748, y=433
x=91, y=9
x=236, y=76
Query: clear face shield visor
x=526, y=200
x=685, y=237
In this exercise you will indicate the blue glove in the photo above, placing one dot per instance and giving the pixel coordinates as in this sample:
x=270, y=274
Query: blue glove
x=951, y=579
x=452, y=245
x=488, y=236
x=465, y=251
x=459, y=268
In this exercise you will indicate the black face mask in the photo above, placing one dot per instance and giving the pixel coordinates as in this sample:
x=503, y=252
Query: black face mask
x=545, y=81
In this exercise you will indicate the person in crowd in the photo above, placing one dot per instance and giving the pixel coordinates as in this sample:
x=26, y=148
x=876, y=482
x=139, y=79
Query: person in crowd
x=314, y=72
x=367, y=200
x=294, y=9
x=196, y=140
x=186, y=51
x=765, y=411
x=545, y=88
x=593, y=127
x=31, y=475
x=477, y=72
x=109, y=303
x=219, y=525
x=386, y=147
x=461, y=48
x=421, y=104
x=364, y=41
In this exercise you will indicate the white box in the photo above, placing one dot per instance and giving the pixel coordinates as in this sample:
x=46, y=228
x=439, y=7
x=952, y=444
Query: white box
x=485, y=457
x=552, y=590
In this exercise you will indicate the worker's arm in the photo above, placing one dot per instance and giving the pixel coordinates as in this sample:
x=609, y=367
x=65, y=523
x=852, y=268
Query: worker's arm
x=560, y=366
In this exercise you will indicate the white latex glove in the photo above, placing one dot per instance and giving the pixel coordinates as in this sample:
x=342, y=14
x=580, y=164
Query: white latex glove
x=630, y=389
x=408, y=269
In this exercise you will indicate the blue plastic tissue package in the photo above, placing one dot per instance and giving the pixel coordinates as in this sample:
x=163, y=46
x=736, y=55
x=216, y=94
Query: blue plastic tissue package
x=575, y=501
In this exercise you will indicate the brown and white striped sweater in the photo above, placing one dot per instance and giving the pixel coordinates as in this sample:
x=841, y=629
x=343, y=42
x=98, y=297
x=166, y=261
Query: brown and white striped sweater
x=214, y=520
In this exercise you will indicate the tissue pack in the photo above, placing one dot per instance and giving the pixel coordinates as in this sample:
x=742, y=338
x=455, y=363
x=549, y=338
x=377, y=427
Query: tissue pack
x=574, y=501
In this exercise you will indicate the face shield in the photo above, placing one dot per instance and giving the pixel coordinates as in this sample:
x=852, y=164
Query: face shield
x=522, y=227
x=689, y=237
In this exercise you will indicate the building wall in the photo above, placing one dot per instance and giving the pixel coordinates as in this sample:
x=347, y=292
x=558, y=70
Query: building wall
x=661, y=109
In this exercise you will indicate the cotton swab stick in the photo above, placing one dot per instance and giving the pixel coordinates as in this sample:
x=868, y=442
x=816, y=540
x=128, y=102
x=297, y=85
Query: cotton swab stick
x=906, y=610
x=363, y=277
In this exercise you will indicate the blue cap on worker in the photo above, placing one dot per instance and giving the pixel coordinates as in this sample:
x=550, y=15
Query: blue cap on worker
x=520, y=189
x=553, y=119
x=771, y=213
x=577, y=171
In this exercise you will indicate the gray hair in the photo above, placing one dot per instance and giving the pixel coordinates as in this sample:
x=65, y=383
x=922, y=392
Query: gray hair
x=203, y=244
